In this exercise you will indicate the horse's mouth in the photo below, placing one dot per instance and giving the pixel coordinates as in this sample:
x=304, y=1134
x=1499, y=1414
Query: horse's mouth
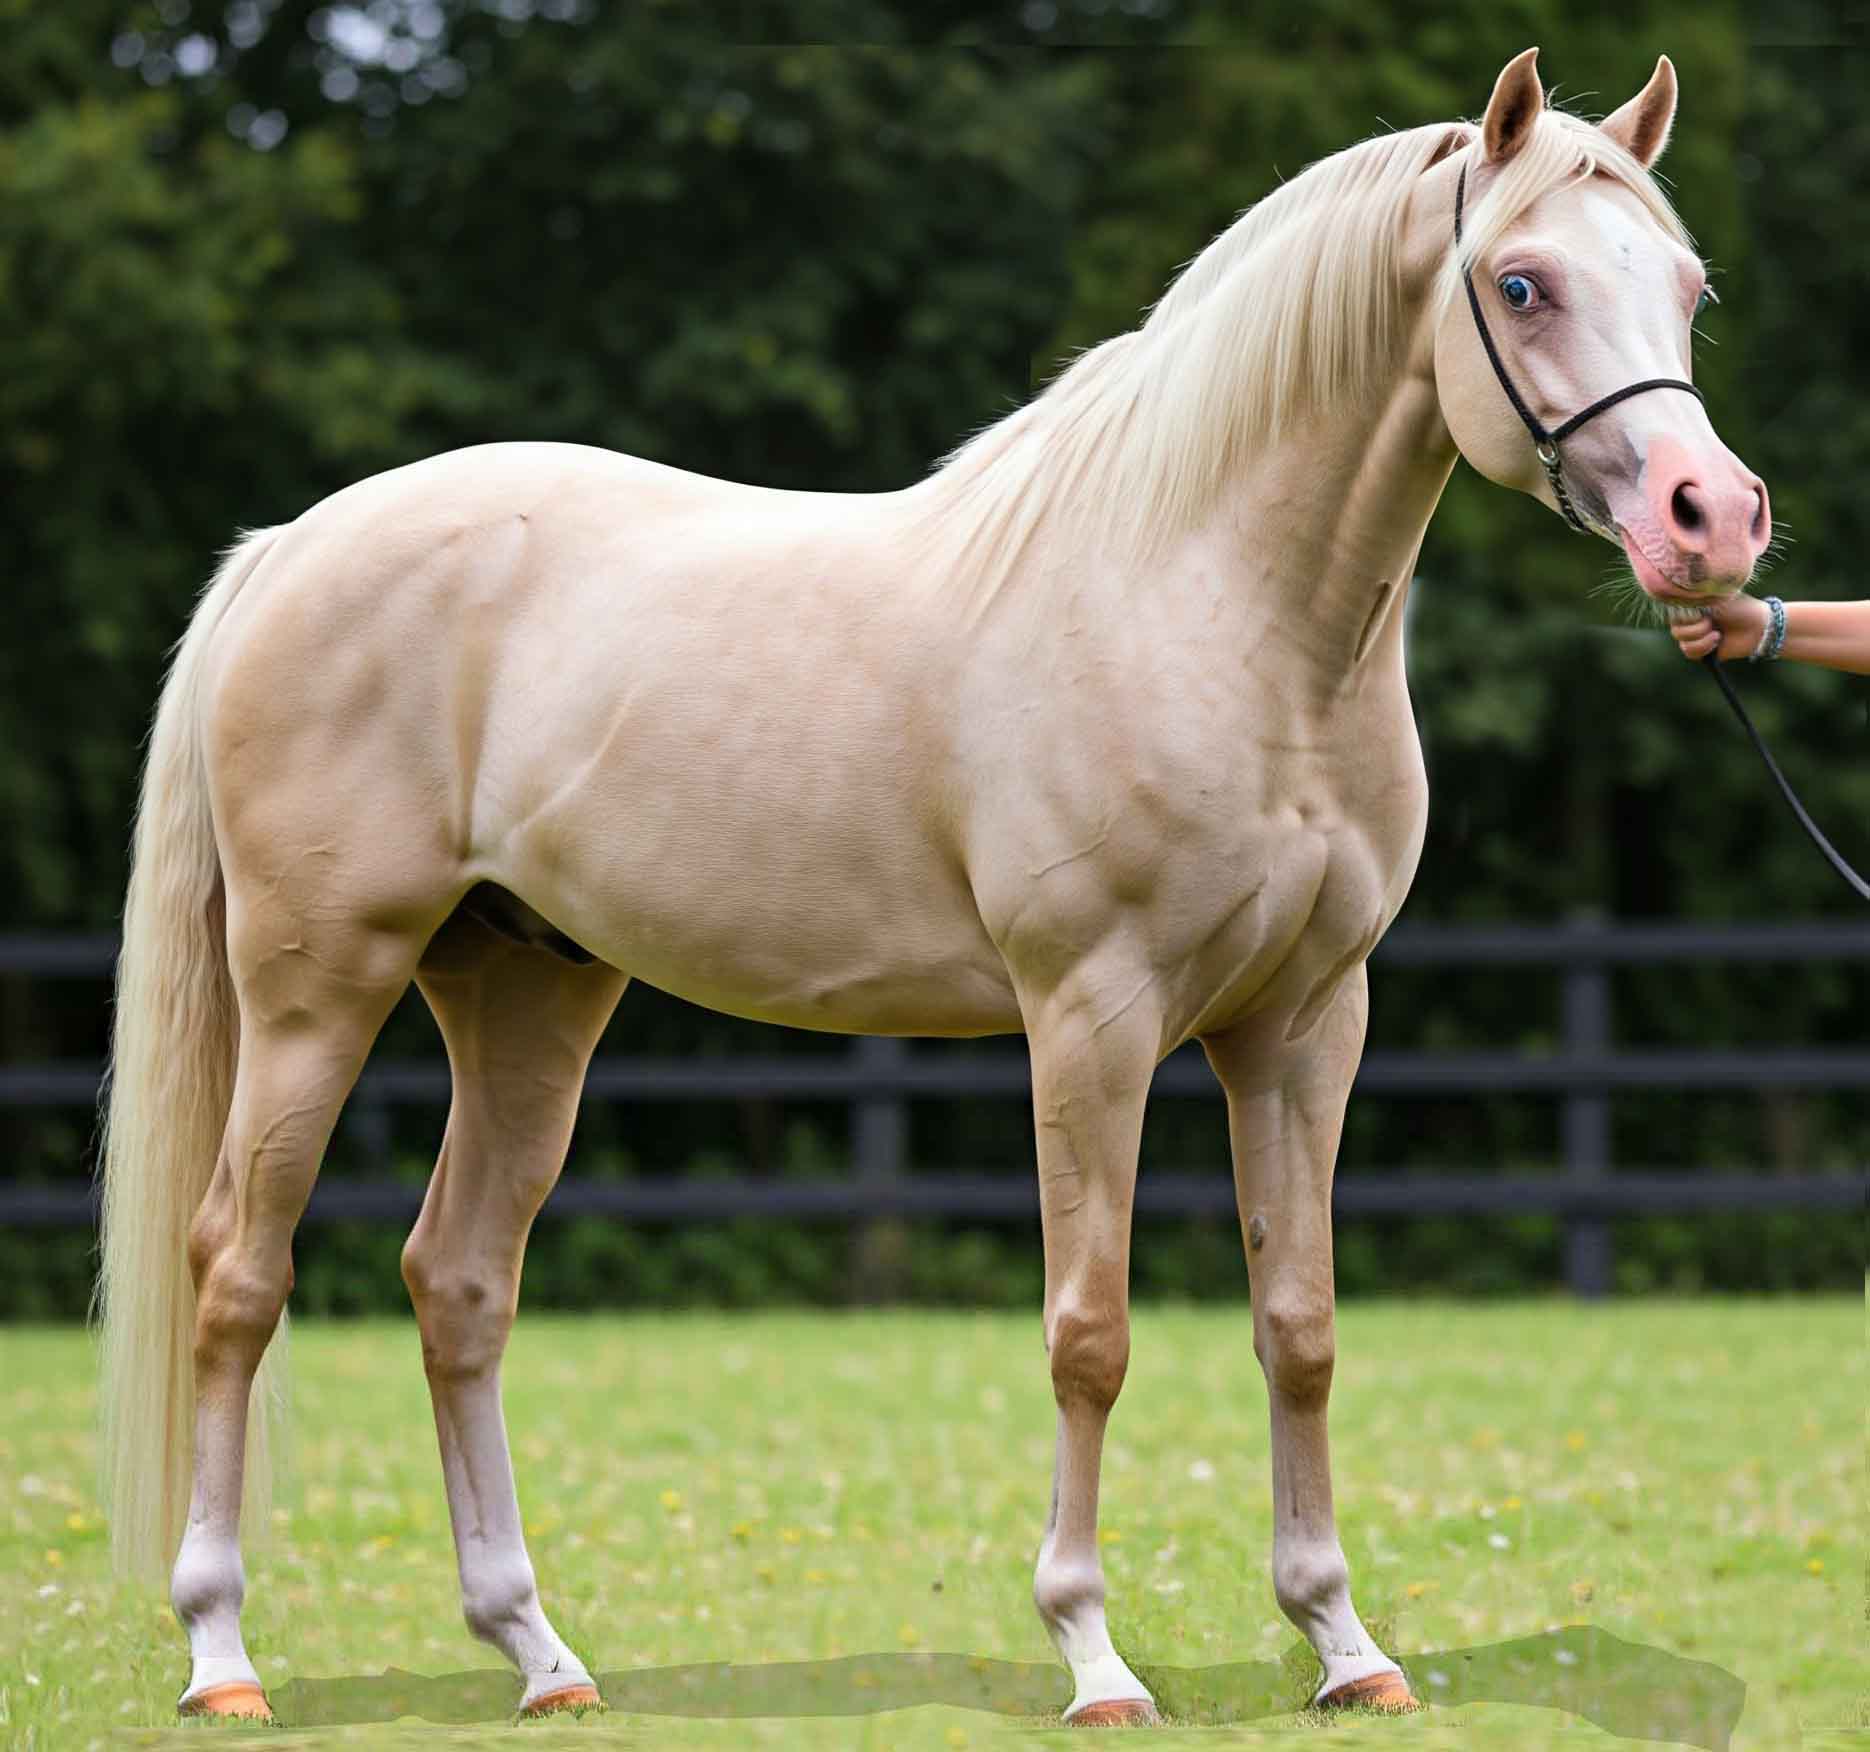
x=1663, y=588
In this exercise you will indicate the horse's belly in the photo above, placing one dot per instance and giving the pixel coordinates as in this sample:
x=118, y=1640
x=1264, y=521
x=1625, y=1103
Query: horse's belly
x=806, y=970
x=743, y=910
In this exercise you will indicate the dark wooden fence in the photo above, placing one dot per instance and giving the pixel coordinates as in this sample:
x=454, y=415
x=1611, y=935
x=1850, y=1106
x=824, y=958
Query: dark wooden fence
x=876, y=1078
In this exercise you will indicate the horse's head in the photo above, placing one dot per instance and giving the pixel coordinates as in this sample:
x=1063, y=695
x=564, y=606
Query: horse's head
x=1586, y=285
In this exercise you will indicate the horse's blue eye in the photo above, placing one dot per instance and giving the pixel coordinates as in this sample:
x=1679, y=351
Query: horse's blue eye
x=1518, y=291
x=1708, y=296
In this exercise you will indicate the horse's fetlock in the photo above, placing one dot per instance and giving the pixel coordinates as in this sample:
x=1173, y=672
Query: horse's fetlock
x=1310, y=1580
x=1064, y=1590
x=208, y=1580
x=498, y=1597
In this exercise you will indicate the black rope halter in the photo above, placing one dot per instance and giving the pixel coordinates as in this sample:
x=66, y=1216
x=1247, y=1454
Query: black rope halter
x=1545, y=443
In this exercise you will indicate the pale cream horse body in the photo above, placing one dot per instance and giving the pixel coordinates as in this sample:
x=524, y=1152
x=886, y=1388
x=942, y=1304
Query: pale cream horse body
x=1100, y=733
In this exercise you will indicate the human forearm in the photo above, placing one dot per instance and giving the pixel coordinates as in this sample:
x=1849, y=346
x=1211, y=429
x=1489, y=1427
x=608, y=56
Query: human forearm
x=1834, y=634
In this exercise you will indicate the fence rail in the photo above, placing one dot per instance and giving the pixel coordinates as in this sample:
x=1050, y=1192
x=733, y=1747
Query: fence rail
x=876, y=1078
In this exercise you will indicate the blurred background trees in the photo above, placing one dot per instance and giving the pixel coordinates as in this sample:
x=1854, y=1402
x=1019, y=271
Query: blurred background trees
x=251, y=251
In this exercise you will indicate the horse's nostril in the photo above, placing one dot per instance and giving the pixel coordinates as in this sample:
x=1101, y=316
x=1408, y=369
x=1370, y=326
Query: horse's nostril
x=1684, y=509
x=1758, y=526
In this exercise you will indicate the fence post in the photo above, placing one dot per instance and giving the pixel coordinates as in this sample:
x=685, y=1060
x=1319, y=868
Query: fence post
x=1585, y=1122
x=879, y=1121
x=879, y=1153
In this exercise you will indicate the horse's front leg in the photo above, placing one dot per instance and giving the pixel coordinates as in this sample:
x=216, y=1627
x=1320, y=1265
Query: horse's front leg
x=1285, y=1110
x=1094, y=1042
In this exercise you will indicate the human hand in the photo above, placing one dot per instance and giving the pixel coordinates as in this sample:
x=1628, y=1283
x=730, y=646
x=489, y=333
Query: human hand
x=1734, y=628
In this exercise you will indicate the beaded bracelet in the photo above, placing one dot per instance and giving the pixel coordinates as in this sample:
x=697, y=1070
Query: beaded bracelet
x=1769, y=647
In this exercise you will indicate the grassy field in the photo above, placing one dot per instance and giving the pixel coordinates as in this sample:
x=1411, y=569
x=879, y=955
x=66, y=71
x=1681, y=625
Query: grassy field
x=805, y=1530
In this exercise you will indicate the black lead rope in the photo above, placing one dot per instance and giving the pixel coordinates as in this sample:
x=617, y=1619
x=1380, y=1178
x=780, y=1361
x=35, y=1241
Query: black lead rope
x=1545, y=444
x=1712, y=663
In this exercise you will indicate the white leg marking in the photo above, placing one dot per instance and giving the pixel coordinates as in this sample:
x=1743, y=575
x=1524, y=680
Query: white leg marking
x=499, y=1595
x=207, y=1590
x=1068, y=1583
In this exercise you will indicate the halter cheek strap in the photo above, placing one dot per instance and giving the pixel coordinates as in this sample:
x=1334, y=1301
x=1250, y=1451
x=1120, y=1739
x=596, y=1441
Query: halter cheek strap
x=1545, y=442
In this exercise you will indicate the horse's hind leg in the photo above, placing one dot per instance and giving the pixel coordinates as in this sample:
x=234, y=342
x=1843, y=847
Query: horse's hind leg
x=520, y=1025
x=308, y=1015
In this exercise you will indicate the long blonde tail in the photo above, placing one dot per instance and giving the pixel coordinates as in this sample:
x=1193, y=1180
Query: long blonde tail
x=173, y=1043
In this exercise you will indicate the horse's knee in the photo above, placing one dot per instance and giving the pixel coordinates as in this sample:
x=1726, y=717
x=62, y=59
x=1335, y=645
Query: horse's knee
x=1295, y=1338
x=464, y=1310
x=1088, y=1339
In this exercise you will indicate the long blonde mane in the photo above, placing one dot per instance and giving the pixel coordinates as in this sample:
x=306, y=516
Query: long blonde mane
x=1294, y=307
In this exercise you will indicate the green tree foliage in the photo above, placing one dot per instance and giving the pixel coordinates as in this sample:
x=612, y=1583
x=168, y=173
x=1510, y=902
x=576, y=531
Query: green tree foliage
x=253, y=250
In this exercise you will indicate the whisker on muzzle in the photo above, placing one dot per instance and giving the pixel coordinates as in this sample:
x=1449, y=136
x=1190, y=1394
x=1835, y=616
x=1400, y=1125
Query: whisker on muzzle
x=1627, y=595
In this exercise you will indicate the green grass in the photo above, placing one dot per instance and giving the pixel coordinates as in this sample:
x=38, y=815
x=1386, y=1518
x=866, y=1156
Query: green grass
x=846, y=1508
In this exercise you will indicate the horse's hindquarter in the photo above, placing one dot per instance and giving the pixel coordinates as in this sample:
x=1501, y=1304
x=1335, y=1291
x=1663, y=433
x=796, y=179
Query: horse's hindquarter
x=689, y=724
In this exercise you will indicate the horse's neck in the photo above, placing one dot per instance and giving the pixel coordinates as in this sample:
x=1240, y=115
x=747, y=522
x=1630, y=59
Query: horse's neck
x=1320, y=531
x=1309, y=546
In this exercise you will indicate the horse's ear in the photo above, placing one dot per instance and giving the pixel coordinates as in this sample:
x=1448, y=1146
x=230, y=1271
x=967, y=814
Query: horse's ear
x=1517, y=99
x=1642, y=126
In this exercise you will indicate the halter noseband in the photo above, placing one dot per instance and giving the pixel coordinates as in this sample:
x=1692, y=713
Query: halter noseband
x=1545, y=442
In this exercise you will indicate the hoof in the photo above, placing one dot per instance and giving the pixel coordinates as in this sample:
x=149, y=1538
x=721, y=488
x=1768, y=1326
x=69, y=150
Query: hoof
x=1125, y=1712
x=570, y=1697
x=238, y=1697
x=1388, y=1692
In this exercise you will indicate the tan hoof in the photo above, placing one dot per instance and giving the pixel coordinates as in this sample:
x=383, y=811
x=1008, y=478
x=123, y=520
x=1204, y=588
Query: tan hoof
x=238, y=1697
x=1388, y=1692
x=571, y=1697
x=1127, y=1712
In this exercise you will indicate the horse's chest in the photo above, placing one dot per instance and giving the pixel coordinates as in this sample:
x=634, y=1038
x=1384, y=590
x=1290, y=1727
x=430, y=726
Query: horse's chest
x=1315, y=884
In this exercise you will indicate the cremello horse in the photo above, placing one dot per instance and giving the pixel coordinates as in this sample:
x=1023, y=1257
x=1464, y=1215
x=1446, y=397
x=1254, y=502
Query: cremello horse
x=1099, y=733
